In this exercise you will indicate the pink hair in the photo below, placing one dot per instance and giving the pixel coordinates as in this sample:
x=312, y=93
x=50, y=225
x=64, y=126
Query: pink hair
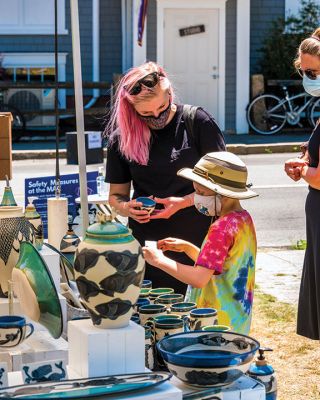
x=125, y=125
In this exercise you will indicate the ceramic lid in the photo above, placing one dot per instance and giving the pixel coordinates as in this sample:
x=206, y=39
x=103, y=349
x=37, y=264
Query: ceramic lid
x=108, y=231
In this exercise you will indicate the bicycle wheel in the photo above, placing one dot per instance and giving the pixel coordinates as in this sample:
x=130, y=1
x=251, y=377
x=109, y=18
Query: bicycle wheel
x=266, y=114
x=315, y=113
x=18, y=123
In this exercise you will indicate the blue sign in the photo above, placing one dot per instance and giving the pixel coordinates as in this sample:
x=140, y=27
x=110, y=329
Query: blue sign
x=44, y=188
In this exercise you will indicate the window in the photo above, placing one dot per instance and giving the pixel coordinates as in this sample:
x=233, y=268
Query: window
x=292, y=6
x=23, y=17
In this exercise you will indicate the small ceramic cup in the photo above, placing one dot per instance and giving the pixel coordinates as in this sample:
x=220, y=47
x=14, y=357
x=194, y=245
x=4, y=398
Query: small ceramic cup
x=149, y=311
x=146, y=283
x=135, y=318
x=13, y=330
x=144, y=292
x=162, y=327
x=216, y=328
x=182, y=308
x=142, y=301
x=149, y=348
x=201, y=317
x=147, y=204
x=168, y=299
x=154, y=293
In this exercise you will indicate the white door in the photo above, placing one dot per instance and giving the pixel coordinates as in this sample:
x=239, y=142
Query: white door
x=192, y=60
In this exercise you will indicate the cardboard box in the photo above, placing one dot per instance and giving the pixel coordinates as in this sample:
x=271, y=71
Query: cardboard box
x=5, y=149
x=5, y=125
x=5, y=169
x=5, y=146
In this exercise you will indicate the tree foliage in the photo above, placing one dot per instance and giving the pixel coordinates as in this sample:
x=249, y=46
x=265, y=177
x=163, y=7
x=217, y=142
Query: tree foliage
x=281, y=44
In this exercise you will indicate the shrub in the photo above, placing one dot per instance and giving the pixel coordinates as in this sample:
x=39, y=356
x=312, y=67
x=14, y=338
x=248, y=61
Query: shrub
x=280, y=46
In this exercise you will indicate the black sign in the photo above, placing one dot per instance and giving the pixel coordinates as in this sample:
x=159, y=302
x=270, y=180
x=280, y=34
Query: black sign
x=191, y=30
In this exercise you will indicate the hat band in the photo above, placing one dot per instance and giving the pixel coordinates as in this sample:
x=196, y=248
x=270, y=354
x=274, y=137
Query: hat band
x=218, y=179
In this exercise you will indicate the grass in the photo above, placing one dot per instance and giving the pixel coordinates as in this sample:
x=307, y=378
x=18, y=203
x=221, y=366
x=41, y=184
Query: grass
x=294, y=358
x=300, y=245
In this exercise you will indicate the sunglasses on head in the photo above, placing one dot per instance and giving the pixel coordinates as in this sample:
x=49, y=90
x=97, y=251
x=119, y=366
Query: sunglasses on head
x=309, y=73
x=149, y=81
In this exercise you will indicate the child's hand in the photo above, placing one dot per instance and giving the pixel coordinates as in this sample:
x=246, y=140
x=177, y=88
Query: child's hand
x=173, y=244
x=153, y=256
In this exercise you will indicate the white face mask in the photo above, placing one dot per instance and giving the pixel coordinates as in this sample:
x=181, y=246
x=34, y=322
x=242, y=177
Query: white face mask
x=311, y=86
x=208, y=205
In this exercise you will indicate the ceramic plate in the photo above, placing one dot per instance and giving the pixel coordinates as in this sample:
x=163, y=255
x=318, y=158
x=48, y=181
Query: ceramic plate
x=66, y=267
x=86, y=388
x=36, y=291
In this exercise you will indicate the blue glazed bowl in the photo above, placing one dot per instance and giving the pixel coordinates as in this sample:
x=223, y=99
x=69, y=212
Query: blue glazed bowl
x=208, y=358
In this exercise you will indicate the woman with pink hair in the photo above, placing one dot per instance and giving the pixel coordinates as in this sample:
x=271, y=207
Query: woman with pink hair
x=148, y=142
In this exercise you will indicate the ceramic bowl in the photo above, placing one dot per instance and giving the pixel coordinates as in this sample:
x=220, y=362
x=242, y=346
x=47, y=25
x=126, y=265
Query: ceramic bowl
x=208, y=358
x=146, y=283
x=147, y=204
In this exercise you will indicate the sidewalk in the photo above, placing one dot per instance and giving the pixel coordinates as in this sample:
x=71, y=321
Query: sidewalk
x=278, y=273
x=44, y=147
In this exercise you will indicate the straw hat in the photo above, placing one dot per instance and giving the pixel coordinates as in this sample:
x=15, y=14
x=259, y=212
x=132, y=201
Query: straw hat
x=222, y=172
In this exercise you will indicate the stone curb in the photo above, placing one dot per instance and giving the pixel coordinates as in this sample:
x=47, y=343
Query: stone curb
x=240, y=149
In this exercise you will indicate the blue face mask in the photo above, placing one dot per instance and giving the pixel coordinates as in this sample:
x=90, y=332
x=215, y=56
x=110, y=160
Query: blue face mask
x=311, y=86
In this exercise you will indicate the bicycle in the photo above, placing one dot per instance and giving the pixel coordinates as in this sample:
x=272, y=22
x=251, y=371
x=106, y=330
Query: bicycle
x=18, y=122
x=268, y=114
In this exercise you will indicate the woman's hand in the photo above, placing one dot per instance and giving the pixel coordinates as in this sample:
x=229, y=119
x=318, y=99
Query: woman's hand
x=171, y=206
x=153, y=256
x=131, y=209
x=173, y=244
x=293, y=168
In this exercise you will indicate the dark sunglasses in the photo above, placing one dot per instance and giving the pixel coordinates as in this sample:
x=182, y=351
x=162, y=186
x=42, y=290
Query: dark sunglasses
x=309, y=73
x=149, y=81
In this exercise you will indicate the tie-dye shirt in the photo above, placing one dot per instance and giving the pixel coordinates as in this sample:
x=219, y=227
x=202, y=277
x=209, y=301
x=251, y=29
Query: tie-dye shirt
x=229, y=250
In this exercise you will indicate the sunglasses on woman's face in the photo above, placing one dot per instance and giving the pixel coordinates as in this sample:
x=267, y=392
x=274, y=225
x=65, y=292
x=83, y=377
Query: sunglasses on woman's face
x=309, y=73
x=149, y=81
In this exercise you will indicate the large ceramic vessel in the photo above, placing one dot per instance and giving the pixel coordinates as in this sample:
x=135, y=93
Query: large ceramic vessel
x=14, y=228
x=109, y=270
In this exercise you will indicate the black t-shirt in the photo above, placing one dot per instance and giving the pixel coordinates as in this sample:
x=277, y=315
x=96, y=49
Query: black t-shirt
x=313, y=147
x=171, y=149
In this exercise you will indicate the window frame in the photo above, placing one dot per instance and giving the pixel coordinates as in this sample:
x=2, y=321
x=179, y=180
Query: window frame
x=40, y=29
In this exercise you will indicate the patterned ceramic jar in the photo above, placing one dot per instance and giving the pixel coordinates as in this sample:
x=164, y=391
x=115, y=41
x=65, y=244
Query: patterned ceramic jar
x=14, y=228
x=109, y=269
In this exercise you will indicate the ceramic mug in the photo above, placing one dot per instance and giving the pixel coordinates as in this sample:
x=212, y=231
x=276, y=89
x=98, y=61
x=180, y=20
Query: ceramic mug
x=169, y=299
x=13, y=330
x=147, y=204
x=182, y=308
x=216, y=328
x=149, y=348
x=135, y=318
x=142, y=301
x=149, y=311
x=146, y=283
x=162, y=327
x=144, y=292
x=201, y=317
x=154, y=293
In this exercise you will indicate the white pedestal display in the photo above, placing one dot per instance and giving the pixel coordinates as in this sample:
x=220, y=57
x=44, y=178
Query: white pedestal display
x=4, y=310
x=97, y=352
x=40, y=346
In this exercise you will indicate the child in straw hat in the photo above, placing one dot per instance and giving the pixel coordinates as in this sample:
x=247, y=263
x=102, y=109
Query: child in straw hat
x=223, y=274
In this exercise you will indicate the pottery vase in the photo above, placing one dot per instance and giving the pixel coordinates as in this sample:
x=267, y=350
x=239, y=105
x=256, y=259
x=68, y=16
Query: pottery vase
x=109, y=270
x=14, y=228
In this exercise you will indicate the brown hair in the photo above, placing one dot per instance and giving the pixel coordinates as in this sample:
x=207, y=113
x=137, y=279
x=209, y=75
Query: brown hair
x=311, y=46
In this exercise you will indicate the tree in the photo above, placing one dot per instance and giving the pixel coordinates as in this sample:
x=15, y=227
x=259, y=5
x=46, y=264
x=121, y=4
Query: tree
x=280, y=46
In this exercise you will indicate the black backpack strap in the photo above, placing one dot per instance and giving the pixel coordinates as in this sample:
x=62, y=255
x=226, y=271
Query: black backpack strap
x=189, y=113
